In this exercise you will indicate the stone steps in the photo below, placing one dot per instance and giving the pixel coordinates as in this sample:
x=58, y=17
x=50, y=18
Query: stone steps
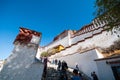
x=53, y=74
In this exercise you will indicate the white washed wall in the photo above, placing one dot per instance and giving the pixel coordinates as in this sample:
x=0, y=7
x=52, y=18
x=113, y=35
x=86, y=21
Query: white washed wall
x=101, y=40
x=64, y=42
x=67, y=51
x=84, y=60
x=38, y=53
x=1, y=64
x=105, y=39
x=35, y=40
x=85, y=35
x=81, y=37
x=77, y=38
x=105, y=69
x=21, y=65
x=96, y=40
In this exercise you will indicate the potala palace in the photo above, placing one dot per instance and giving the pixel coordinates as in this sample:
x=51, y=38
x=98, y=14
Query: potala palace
x=92, y=48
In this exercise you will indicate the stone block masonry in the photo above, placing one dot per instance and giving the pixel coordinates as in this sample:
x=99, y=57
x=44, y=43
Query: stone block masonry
x=21, y=64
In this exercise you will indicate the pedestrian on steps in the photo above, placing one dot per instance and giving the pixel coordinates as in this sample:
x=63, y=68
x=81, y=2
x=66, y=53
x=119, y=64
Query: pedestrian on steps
x=76, y=76
x=56, y=61
x=93, y=74
x=59, y=65
x=63, y=71
x=45, y=67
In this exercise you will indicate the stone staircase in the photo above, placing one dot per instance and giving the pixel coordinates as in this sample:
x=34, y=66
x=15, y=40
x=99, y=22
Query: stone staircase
x=54, y=74
x=85, y=76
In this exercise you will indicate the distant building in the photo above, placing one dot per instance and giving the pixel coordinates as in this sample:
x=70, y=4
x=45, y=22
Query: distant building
x=1, y=64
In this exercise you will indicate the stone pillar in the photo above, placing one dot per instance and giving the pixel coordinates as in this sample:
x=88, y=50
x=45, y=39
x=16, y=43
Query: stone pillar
x=21, y=64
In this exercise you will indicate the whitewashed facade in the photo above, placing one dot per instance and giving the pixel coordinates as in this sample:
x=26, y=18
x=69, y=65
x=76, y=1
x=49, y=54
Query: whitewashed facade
x=81, y=48
x=108, y=67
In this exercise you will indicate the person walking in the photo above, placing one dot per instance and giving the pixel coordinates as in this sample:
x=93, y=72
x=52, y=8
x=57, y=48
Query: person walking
x=59, y=65
x=56, y=61
x=76, y=76
x=63, y=72
x=64, y=65
x=45, y=67
x=45, y=61
x=94, y=76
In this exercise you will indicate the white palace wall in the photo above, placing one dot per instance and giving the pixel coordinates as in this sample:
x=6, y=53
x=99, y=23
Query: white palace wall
x=105, y=39
x=84, y=60
x=80, y=49
x=105, y=71
x=63, y=42
x=92, y=39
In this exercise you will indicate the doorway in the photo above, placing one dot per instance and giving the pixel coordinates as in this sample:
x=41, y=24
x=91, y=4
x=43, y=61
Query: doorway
x=116, y=72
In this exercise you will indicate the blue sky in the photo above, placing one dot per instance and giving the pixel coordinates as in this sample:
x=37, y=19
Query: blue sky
x=50, y=17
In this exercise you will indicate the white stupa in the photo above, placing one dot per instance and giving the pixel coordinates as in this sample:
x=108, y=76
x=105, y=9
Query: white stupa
x=21, y=64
